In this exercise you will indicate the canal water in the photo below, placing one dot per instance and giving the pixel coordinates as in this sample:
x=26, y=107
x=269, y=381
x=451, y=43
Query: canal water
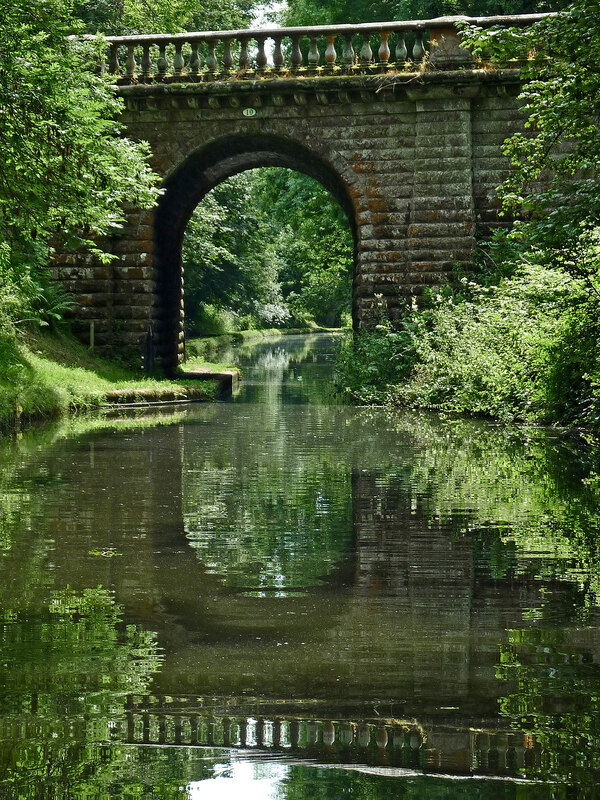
x=282, y=597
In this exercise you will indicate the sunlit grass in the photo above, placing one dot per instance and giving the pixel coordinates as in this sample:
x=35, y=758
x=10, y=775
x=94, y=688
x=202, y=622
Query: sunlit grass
x=45, y=375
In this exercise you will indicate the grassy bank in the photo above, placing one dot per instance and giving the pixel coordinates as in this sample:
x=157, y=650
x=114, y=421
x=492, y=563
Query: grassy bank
x=45, y=375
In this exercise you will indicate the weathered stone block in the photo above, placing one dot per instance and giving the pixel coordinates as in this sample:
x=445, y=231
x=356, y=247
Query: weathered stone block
x=433, y=255
x=123, y=273
x=454, y=181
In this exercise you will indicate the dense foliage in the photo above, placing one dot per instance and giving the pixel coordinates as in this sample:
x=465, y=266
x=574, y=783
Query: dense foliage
x=520, y=349
x=65, y=174
x=555, y=184
x=268, y=247
x=66, y=169
x=118, y=17
x=521, y=339
x=323, y=12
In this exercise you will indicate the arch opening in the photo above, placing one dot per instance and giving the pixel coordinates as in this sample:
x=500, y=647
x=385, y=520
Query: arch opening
x=201, y=172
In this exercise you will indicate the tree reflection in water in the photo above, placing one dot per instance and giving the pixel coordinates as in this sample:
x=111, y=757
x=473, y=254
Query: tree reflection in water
x=301, y=579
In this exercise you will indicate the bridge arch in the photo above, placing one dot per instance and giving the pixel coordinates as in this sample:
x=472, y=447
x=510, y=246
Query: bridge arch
x=191, y=180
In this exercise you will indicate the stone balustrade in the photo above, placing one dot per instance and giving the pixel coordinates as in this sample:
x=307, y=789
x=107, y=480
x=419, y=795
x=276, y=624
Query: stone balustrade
x=269, y=52
x=432, y=746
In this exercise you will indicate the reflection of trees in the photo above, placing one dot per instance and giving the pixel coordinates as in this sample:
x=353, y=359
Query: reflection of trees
x=260, y=511
x=293, y=369
x=65, y=676
x=525, y=497
x=522, y=497
x=552, y=685
x=462, y=530
x=267, y=536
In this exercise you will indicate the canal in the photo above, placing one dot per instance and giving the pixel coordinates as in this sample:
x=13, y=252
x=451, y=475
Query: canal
x=281, y=597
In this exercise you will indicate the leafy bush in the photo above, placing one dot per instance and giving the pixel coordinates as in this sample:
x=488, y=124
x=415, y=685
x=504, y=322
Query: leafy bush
x=525, y=349
x=211, y=320
x=509, y=351
x=522, y=347
x=28, y=293
x=370, y=361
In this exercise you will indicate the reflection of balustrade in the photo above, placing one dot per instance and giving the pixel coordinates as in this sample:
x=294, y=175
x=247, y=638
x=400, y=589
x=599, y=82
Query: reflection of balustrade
x=342, y=49
x=406, y=744
x=433, y=746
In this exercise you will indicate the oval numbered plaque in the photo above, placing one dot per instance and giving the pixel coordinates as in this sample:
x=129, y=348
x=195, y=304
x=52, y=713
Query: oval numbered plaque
x=249, y=112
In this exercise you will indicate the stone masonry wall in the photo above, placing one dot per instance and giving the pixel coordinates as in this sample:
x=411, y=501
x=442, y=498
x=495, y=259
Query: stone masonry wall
x=414, y=160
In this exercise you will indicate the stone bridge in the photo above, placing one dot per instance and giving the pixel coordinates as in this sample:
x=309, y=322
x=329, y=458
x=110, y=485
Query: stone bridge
x=395, y=119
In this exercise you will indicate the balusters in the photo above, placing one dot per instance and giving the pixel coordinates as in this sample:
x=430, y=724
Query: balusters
x=130, y=63
x=418, y=50
x=227, y=55
x=330, y=54
x=211, y=58
x=161, y=64
x=313, y=52
x=366, y=54
x=173, y=62
x=178, y=62
x=146, y=62
x=296, y=52
x=349, y=55
x=384, y=49
x=195, y=59
x=401, y=51
x=261, y=56
x=244, y=57
x=277, y=54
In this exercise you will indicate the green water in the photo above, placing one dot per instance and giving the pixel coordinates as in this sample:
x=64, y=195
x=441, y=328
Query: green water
x=283, y=597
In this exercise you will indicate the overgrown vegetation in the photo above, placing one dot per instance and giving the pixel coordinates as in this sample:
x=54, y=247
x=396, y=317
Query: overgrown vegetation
x=520, y=337
x=325, y=12
x=525, y=348
x=66, y=174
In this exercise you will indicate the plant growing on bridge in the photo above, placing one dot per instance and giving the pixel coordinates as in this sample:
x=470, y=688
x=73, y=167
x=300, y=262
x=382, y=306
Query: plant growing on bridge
x=554, y=188
x=555, y=183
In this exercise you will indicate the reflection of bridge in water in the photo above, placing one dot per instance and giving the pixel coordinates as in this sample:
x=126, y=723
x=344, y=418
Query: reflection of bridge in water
x=403, y=668
x=406, y=744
